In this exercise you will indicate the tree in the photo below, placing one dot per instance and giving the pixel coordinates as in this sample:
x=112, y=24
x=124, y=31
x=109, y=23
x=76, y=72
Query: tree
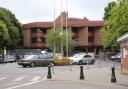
x=4, y=36
x=116, y=25
x=13, y=29
x=108, y=9
x=59, y=36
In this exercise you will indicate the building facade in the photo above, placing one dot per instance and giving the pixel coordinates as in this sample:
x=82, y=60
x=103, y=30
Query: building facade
x=86, y=33
x=123, y=40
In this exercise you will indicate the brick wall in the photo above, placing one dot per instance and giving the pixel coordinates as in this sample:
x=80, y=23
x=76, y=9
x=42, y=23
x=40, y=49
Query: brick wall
x=98, y=36
x=83, y=36
x=26, y=39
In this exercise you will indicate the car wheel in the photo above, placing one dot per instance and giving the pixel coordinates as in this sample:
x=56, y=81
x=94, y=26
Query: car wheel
x=92, y=62
x=80, y=62
x=24, y=65
x=32, y=64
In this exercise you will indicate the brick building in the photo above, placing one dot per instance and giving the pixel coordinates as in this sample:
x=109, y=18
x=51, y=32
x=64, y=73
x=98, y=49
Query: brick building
x=87, y=33
x=123, y=40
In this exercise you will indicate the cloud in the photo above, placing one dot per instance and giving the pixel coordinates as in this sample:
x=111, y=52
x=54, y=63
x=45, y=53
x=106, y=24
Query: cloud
x=43, y=10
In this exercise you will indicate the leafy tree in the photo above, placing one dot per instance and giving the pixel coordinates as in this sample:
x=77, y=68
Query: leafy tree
x=108, y=9
x=4, y=36
x=13, y=28
x=116, y=25
x=59, y=36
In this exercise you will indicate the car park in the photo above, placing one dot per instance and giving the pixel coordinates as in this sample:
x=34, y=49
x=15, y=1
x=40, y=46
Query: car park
x=82, y=58
x=35, y=60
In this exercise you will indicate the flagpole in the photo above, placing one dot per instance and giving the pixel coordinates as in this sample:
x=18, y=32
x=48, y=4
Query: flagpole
x=54, y=30
x=67, y=36
x=66, y=30
x=61, y=29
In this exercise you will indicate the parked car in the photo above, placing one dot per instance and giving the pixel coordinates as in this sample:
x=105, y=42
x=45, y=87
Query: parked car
x=10, y=58
x=116, y=57
x=0, y=58
x=35, y=60
x=82, y=58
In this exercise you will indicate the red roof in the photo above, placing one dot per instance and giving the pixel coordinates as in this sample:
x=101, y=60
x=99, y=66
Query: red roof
x=37, y=24
x=77, y=22
x=96, y=23
x=72, y=22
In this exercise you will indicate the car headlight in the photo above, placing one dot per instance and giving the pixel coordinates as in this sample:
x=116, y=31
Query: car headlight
x=26, y=62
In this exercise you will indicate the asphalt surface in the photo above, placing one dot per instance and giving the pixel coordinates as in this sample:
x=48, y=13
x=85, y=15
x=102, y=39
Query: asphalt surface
x=13, y=76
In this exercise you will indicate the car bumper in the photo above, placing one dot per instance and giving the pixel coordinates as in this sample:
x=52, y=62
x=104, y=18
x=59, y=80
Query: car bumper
x=24, y=63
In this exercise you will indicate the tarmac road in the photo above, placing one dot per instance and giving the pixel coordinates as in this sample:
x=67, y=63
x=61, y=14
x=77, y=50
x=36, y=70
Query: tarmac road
x=13, y=76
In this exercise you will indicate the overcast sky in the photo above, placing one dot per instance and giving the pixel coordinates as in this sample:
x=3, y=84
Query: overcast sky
x=42, y=10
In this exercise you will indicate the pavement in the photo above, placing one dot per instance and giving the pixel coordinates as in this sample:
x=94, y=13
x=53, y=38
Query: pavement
x=97, y=74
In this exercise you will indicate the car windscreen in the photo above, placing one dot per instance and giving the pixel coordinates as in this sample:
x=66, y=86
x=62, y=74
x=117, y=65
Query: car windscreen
x=79, y=56
x=30, y=57
x=86, y=56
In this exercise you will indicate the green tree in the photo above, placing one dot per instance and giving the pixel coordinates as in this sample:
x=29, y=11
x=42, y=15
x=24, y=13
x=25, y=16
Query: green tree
x=4, y=36
x=108, y=9
x=13, y=27
x=116, y=25
x=59, y=36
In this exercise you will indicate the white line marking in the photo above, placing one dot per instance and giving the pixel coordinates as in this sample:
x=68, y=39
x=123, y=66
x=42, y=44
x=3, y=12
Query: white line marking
x=26, y=84
x=36, y=78
x=18, y=79
x=3, y=78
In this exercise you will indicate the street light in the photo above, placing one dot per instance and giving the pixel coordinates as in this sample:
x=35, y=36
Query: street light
x=61, y=29
x=67, y=37
x=54, y=51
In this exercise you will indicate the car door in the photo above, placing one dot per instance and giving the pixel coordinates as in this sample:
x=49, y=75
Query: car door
x=87, y=59
x=40, y=60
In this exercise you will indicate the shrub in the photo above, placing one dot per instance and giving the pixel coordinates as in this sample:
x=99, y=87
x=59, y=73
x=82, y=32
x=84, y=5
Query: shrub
x=62, y=61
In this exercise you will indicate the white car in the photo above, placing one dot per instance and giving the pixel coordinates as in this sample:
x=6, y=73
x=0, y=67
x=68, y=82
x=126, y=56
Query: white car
x=82, y=58
x=10, y=58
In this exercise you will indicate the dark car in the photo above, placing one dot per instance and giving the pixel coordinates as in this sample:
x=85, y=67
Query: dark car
x=116, y=57
x=34, y=60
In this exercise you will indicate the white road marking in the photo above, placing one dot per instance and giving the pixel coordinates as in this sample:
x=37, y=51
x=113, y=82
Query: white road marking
x=26, y=84
x=3, y=78
x=18, y=79
x=36, y=78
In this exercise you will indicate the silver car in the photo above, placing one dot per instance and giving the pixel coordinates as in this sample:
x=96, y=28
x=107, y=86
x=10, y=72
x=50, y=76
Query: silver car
x=82, y=59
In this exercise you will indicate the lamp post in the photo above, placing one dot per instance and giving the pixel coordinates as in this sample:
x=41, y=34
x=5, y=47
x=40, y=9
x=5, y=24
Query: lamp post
x=61, y=29
x=54, y=49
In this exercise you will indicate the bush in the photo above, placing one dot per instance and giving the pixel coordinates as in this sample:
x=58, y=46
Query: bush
x=62, y=61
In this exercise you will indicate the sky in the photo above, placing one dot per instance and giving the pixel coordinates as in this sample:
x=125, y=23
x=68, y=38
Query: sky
x=27, y=11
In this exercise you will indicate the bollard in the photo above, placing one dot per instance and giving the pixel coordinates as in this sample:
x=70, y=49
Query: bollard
x=81, y=73
x=52, y=65
x=87, y=64
x=99, y=64
x=49, y=76
x=113, y=78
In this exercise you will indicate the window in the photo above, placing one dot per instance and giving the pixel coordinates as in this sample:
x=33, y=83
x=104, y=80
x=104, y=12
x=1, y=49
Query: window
x=90, y=39
x=86, y=56
x=39, y=40
x=36, y=30
x=74, y=30
x=91, y=29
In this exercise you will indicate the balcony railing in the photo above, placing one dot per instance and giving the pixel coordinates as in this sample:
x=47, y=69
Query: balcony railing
x=38, y=35
x=91, y=44
x=38, y=45
x=90, y=34
x=74, y=35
